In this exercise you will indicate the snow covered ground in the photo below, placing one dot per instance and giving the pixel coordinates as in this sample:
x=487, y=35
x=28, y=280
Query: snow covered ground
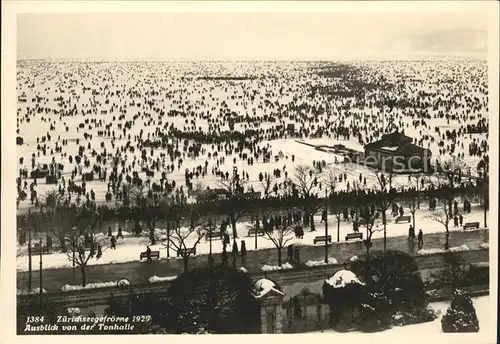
x=418, y=332
x=176, y=88
x=129, y=248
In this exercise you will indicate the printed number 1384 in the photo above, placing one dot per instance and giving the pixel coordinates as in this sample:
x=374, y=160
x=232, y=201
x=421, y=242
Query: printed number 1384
x=35, y=319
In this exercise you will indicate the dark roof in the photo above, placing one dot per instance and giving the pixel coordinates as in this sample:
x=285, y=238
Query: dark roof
x=390, y=140
x=412, y=149
x=407, y=149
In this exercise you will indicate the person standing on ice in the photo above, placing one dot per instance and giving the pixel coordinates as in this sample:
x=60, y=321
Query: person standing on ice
x=224, y=254
x=99, y=251
x=235, y=248
x=411, y=233
x=113, y=242
x=323, y=216
x=120, y=234
x=243, y=252
x=420, y=239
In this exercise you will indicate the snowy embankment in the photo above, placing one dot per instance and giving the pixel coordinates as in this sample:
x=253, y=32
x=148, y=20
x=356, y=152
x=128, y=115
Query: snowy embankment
x=285, y=266
x=343, y=277
x=156, y=279
x=331, y=261
x=35, y=291
x=119, y=283
x=426, y=252
x=130, y=248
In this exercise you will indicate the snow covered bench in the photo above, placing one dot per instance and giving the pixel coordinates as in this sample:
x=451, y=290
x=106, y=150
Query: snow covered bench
x=403, y=219
x=471, y=225
x=353, y=236
x=153, y=254
x=186, y=251
x=37, y=249
x=322, y=238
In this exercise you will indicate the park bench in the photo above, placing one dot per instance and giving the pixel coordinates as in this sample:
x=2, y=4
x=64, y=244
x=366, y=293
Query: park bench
x=35, y=250
x=153, y=254
x=403, y=219
x=353, y=236
x=252, y=232
x=185, y=251
x=213, y=235
x=322, y=238
x=471, y=225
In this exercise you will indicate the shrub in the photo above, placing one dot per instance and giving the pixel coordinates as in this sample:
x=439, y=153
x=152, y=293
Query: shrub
x=419, y=316
x=396, y=275
x=342, y=299
x=375, y=313
x=461, y=315
x=215, y=299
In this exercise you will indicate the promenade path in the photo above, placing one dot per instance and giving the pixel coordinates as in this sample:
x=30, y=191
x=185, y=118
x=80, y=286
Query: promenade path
x=140, y=272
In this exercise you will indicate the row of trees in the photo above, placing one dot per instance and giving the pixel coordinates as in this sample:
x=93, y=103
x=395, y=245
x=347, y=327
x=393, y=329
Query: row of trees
x=77, y=227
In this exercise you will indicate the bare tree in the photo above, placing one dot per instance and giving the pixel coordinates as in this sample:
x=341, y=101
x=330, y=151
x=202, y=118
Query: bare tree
x=280, y=237
x=86, y=248
x=412, y=198
x=149, y=207
x=443, y=215
x=369, y=221
x=234, y=206
x=336, y=207
x=267, y=184
x=450, y=173
x=183, y=240
x=60, y=217
x=287, y=187
x=306, y=180
x=385, y=197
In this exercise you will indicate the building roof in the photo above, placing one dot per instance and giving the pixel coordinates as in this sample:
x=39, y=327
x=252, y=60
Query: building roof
x=398, y=144
x=389, y=140
x=264, y=287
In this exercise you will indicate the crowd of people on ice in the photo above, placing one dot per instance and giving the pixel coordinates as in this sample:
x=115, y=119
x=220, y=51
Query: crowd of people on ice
x=136, y=126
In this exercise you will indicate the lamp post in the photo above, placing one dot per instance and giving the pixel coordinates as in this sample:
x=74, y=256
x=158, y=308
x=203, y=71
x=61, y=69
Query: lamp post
x=74, y=258
x=210, y=231
x=326, y=227
x=485, y=182
x=30, y=269
x=41, y=281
